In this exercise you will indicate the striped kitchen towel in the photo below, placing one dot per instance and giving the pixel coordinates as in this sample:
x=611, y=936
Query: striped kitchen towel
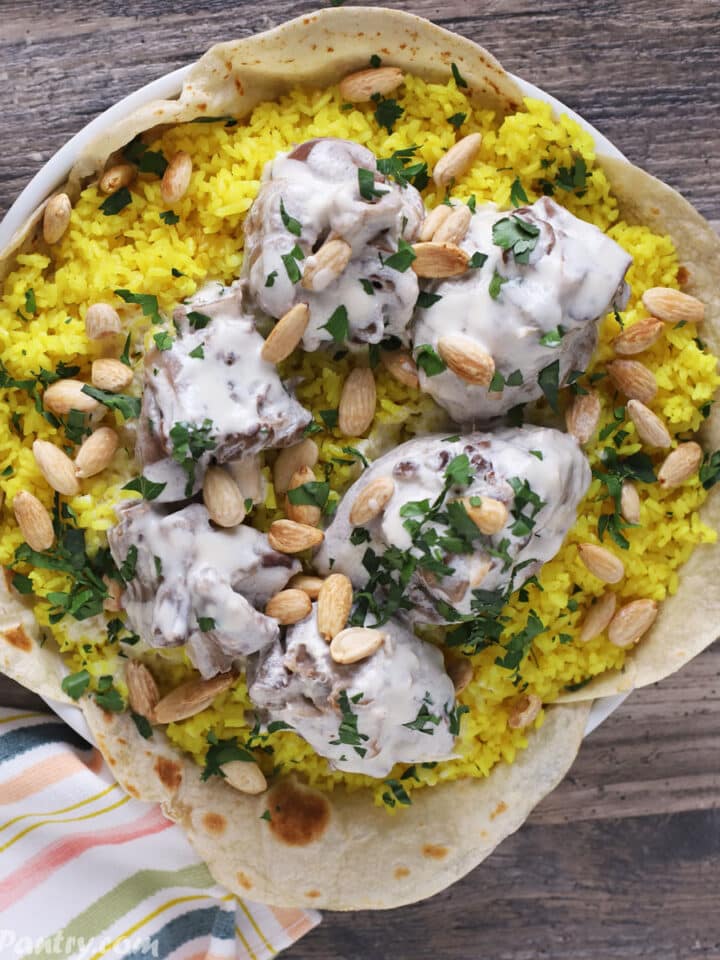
x=88, y=873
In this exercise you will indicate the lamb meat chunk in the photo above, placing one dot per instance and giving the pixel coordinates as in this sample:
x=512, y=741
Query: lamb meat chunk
x=211, y=396
x=197, y=585
x=547, y=281
x=313, y=195
x=532, y=477
x=395, y=706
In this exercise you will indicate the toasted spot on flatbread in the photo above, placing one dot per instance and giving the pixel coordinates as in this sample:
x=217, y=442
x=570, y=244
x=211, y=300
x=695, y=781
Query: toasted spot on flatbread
x=313, y=894
x=401, y=872
x=169, y=773
x=299, y=814
x=122, y=740
x=17, y=637
x=435, y=851
x=500, y=808
x=244, y=881
x=132, y=790
x=215, y=823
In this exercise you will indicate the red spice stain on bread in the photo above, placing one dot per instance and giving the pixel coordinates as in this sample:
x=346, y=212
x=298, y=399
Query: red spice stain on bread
x=298, y=815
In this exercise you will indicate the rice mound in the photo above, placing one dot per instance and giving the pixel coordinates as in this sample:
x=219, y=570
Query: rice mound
x=137, y=250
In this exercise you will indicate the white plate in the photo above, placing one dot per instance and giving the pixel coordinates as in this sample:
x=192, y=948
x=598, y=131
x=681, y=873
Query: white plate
x=55, y=172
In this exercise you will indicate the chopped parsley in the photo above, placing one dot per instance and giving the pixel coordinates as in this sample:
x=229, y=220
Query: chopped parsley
x=477, y=260
x=520, y=643
x=190, y=442
x=30, y=303
x=108, y=697
x=198, y=321
x=116, y=202
x=403, y=257
x=153, y=161
x=290, y=263
x=338, y=325
x=457, y=120
x=125, y=355
x=367, y=286
x=143, y=725
x=404, y=169
x=552, y=338
x=517, y=193
x=127, y=406
x=329, y=418
x=515, y=234
x=549, y=380
x=221, y=752
x=425, y=720
x=366, y=185
x=426, y=300
x=348, y=732
x=571, y=179
x=163, y=341
x=148, y=489
x=198, y=353
x=429, y=360
x=290, y=223
x=387, y=112
x=375, y=61
x=396, y=794
x=147, y=302
x=75, y=684
x=270, y=278
x=206, y=624
x=169, y=217
x=459, y=79
x=455, y=716
x=129, y=564
x=354, y=452
x=177, y=273
x=315, y=493
x=496, y=284
x=526, y=506
x=710, y=470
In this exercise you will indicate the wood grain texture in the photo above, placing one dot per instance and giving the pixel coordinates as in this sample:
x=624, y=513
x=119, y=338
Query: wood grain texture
x=623, y=860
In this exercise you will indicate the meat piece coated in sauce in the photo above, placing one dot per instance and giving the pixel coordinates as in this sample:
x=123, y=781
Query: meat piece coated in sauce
x=189, y=575
x=317, y=186
x=546, y=309
x=356, y=715
x=540, y=475
x=214, y=383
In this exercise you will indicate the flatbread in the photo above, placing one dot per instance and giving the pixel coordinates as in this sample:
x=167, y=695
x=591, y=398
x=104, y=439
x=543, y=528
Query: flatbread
x=338, y=851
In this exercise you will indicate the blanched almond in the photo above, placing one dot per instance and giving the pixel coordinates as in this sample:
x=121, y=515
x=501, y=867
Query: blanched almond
x=102, y=320
x=143, y=693
x=458, y=160
x=363, y=85
x=65, y=395
x=286, y=334
x=454, y=228
x=489, y=517
x=633, y=379
x=111, y=375
x=401, y=367
x=439, y=259
x=96, y=452
x=601, y=563
x=466, y=359
x=598, y=617
x=357, y=402
x=56, y=217
x=372, y=500
x=286, y=536
x=192, y=697
x=334, y=605
x=34, y=521
x=433, y=221
x=631, y=621
x=302, y=512
x=57, y=467
x=308, y=584
x=290, y=459
x=640, y=336
x=525, y=711
x=223, y=498
x=672, y=306
x=355, y=644
x=289, y=606
x=582, y=416
x=650, y=428
x=176, y=178
x=683, y=463
x=325, y=266
x=630, y=502
x=245, y=776
x=117, y=176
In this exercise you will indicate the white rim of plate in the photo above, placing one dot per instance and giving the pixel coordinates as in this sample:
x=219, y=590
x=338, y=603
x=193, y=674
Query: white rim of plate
x=55, y=172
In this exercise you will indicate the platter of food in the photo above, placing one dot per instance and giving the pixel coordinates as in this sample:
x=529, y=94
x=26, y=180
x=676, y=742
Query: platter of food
x=357, y=449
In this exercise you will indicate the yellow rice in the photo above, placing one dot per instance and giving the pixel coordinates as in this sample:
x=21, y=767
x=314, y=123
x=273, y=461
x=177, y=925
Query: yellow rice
x=135, y=249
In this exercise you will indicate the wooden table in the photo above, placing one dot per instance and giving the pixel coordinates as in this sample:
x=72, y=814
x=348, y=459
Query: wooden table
x=623, y=860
